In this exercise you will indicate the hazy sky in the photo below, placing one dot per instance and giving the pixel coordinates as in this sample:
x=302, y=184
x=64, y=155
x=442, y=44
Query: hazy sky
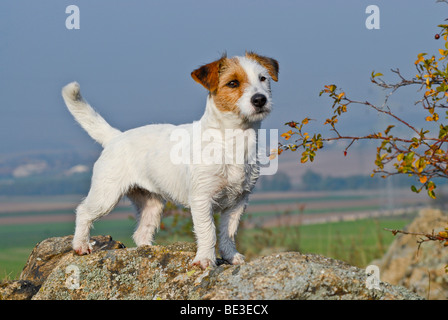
x=133, y=59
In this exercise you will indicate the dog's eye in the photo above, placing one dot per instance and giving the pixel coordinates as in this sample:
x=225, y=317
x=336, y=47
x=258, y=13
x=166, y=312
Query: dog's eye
x=233, y=84
x=262, y=78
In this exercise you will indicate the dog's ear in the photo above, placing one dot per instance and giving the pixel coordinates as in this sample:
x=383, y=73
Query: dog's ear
x=208, y=75
x=270, y=64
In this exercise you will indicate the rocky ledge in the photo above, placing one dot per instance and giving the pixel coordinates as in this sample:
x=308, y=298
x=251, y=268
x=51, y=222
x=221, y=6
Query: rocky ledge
x=112, y=271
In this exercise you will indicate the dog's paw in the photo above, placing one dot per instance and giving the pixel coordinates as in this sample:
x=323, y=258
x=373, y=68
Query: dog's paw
x=204, y=263
x=235, y=259
x=83, y=249
x=238, y=258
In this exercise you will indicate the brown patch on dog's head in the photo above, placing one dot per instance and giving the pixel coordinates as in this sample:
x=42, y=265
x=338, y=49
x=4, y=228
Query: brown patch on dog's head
x=232, y=82
x=270, y=64
x=226, y=81
x=208, y=74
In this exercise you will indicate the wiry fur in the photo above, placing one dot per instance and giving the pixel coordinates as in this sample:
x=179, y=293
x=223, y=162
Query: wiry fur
x=138, y=162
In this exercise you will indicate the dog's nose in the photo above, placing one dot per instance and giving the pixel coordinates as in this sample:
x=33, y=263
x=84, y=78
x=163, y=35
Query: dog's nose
x=258, y=100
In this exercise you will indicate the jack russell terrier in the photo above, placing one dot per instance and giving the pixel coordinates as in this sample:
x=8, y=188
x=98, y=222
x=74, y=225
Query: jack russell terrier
x=139, y=163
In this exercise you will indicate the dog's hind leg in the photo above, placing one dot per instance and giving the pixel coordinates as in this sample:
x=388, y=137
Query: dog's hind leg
x=109, y=183
x=102, y=198
x=149, y=209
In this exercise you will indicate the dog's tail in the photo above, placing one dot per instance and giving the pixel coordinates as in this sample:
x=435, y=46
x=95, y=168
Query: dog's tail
x=88, y=118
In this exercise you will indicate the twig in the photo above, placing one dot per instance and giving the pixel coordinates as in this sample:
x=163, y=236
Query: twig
x=430, y=237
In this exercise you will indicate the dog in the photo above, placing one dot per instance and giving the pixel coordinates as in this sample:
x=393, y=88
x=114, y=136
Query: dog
x=138, y=163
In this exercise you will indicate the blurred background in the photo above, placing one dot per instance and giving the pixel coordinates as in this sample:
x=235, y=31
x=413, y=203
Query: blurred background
x=133, y=60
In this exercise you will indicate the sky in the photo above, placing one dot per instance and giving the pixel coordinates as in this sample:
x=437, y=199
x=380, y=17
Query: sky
x=133, y=59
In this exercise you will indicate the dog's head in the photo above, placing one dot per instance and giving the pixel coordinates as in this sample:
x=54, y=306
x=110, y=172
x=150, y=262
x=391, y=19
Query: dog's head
x=240, y=85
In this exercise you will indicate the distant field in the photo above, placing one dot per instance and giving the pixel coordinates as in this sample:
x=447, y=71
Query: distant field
x=24, y=210
x=274, y=222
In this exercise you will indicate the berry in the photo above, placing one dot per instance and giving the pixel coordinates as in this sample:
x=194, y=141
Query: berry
x=437, y=36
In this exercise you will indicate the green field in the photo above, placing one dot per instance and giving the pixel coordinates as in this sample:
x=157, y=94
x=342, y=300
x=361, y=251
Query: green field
x=357, y=242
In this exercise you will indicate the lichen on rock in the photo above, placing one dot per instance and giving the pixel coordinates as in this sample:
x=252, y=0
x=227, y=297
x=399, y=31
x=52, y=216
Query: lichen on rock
x=166, y=273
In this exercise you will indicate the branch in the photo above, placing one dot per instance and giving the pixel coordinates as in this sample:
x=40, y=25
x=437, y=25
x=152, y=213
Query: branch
x=380, y=110
x=429, y=237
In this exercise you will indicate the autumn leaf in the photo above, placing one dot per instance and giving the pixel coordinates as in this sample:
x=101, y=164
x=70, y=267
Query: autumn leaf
x=378, y=74
x=420, y=58
x=431, y=194
x=443, y=234
x=286, y=135
x=304, y=159
x=274, y=153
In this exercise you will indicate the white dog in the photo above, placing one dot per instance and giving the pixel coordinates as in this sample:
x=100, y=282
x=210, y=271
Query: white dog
x=139, y=163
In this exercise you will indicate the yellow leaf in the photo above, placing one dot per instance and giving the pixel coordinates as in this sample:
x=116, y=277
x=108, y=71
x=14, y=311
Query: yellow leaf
x=420, y=59
x=423, y=179
x=330, y=88
x=274, y=153
x=435, y=117
x=285, y=135
x=443, y=234
x=428, y=118
x=442, y=52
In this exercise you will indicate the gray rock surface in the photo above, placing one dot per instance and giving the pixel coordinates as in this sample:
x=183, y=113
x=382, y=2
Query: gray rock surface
x=164, y=272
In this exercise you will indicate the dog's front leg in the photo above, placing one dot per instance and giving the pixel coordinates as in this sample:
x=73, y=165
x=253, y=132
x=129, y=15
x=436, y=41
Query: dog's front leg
x=204, y=228
x=230, y=219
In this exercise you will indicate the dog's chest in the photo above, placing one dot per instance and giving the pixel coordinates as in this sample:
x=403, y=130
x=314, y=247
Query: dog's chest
x=238, y=180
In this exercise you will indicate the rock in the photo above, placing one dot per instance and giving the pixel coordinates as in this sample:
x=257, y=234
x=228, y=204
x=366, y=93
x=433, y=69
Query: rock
x=422, y=270
x=293, y=276
x=46, y=255
x=43, y=259
x=164, y=272
x=148, y=272
x=18, y=290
